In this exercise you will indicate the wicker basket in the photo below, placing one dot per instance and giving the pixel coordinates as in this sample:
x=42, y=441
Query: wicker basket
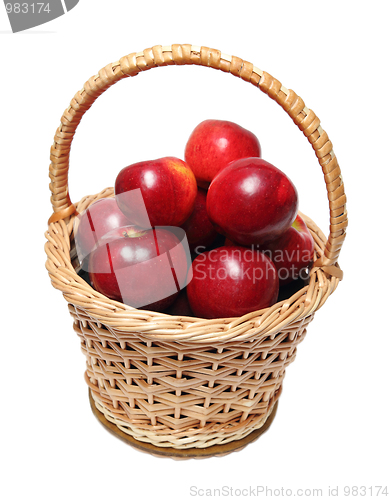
x=182, y=383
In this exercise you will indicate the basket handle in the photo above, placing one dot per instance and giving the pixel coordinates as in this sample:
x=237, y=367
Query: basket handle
x=158, y=55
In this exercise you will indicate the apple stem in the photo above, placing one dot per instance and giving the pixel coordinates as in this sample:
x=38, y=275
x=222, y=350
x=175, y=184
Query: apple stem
x=132, y=233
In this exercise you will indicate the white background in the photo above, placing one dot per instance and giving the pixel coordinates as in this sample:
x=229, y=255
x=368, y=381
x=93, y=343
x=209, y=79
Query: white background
x=331, y=429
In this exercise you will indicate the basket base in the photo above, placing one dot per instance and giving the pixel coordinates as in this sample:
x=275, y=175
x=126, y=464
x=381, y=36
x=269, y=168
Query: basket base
x=176, y=454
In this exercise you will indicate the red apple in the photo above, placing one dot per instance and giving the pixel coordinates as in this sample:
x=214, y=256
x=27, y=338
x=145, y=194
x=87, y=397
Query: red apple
x=141, y=268
x=293, y=252
x=252, y=202
x=232, y=281
x=158, y=192
x=198, y=227
x=101, y=217
x=213, y=144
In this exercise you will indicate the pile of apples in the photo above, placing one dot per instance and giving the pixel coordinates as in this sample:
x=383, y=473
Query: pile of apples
x=217, y=235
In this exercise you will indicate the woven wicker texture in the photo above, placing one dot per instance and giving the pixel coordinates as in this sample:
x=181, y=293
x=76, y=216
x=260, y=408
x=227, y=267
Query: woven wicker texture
x=181, y=381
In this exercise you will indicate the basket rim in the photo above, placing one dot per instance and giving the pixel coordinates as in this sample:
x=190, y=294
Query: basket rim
x=162, y=326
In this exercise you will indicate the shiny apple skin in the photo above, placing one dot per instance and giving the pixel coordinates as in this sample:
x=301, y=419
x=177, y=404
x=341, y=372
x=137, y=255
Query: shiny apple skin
x=141, y=265
x=231, y=281
x=168, y=187
x=252, y=202
x=101, y=217
x=213, y=144
x=198, y=227
x=293, y=252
